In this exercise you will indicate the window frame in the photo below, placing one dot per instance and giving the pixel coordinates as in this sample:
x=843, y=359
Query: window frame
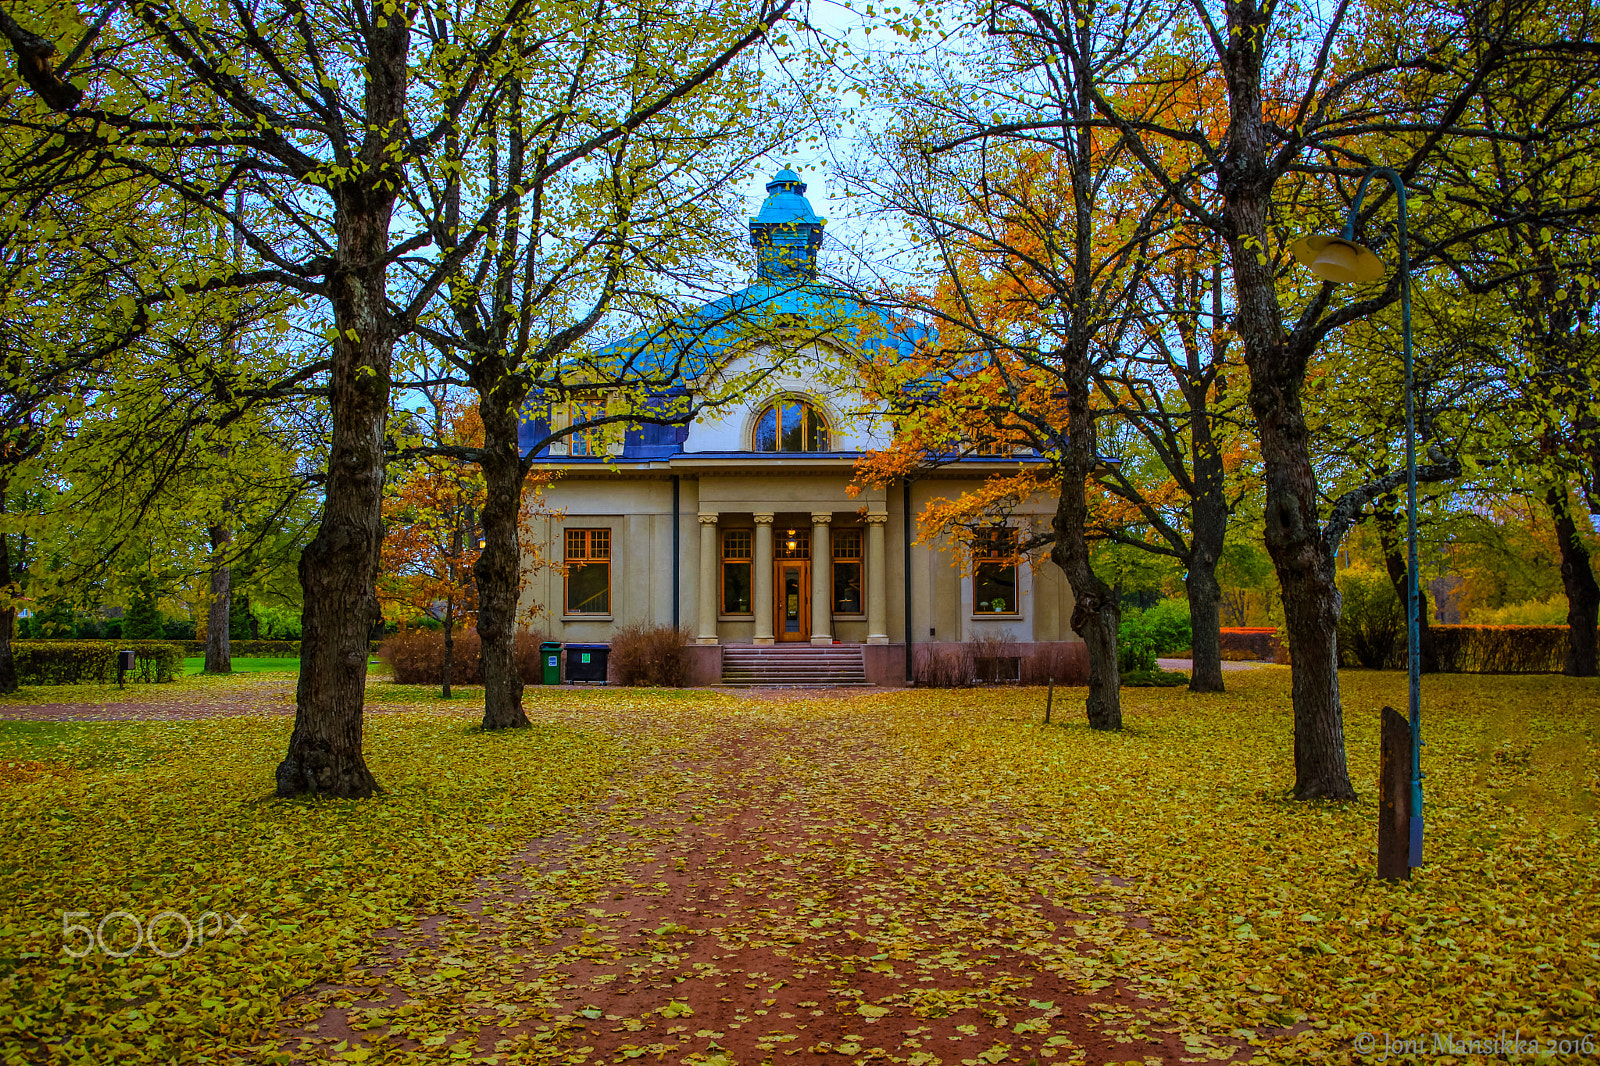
x=748, y=561
x=588, y=558
x=995, y=553
x=859, y=561
x=817, y=421
x=588, y=443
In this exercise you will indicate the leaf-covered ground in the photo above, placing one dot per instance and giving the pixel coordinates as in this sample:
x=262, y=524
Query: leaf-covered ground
x=933, y=878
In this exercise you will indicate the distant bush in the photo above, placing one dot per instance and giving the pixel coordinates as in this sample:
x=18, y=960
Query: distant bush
x=76, y=662
x=1136, y=654
x=417, y=657
x=1550, y=612
x=992, y=659
x=1065, y=664
x=648, y=655
x=1164, y=628
x=942, y=666
x=176, y=629
x=1372, y=623
x=276, y=622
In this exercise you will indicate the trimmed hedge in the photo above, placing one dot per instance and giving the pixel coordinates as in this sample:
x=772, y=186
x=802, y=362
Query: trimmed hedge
x=1500, y=649
x=260, y=649
x=1486, y=649
x=1242, y=643
x=74, y=662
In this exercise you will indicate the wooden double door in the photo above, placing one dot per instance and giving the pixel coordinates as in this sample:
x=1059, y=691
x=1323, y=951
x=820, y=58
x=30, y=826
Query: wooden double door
x=791, y=583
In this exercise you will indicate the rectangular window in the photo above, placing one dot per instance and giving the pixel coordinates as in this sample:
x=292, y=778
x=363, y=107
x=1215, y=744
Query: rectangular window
x=736, y=571
x=588, y=441
x=994, y=572
x=847, y=571
x=588, y=571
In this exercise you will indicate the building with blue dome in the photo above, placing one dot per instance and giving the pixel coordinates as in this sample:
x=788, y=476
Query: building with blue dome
x=742, y=526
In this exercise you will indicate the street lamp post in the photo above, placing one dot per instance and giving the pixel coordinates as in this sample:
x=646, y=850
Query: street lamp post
x=1341, y=260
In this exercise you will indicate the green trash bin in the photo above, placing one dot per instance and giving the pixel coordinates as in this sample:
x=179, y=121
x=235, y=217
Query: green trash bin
x=550, y=655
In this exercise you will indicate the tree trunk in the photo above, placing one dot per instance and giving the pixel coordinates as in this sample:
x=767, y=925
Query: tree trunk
x=497, y=573
x=1311, y=615
x=1205, y=625
x=449, y=648
x=8, y=611
x=219, y=652
x=1210, y=511
x=1277, y=366
x=1395, y=555
x=1583, y=594
x=339, y=568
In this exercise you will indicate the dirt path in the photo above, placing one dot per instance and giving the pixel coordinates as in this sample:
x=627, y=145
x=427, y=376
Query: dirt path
x=782, y=885
x=250, y=695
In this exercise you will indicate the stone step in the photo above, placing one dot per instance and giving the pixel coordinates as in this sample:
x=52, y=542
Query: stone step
x=793, y=666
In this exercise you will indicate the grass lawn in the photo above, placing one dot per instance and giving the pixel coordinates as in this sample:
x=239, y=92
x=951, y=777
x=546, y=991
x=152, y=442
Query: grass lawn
x=1266, y=923
x=247, y=665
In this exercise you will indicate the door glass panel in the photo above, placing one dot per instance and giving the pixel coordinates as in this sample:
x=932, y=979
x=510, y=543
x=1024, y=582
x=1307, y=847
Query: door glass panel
x=791, y=600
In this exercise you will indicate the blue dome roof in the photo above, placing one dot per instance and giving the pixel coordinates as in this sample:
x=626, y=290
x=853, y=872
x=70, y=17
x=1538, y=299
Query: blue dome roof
x=786, y=201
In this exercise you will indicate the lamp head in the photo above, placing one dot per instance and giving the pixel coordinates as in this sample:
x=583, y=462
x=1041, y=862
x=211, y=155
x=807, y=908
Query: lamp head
x=1337, y=260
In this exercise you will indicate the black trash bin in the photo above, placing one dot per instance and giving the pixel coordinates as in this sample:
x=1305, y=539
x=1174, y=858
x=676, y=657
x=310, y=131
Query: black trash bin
x=587, y=662
x=550, y=659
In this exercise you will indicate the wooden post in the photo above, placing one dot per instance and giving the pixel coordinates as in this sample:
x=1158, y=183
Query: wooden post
x=1394, y=797
x=1049, y=698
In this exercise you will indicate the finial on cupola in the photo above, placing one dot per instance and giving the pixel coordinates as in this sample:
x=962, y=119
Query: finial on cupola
x=787, y=233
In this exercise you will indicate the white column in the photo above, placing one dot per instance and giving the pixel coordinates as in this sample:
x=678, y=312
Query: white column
x=708, y=579
x=761, y=580
x=821, y=580
x=877, y=582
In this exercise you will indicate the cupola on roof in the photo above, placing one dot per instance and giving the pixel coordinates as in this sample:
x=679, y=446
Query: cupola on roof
x=786, y=233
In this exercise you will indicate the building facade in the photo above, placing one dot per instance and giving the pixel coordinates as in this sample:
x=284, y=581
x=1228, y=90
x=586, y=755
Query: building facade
x=745, y=526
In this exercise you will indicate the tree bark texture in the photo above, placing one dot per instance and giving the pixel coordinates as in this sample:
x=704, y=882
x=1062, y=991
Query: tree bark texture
x=1210, y=528
x=219, y=651
x=498, y=571
x=1583, y=594
x=8, y=614
x=449, y=649
x=1277, y=365
x=1205, y=626
x=339, y=568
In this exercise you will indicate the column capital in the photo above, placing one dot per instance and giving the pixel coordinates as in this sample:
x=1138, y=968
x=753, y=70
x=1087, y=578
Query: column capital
x=877, y=519
x=709, y=519
x=819, y=518
x=763, y=519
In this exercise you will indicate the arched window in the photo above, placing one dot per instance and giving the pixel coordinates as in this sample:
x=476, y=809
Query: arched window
x=791, y=426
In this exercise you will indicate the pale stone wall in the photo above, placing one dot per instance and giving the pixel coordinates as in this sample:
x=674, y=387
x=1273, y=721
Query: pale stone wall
x=635, y=503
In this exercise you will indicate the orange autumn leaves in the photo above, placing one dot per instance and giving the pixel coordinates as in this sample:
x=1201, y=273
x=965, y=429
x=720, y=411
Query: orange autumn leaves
x=431, y=514
x=992, y=380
